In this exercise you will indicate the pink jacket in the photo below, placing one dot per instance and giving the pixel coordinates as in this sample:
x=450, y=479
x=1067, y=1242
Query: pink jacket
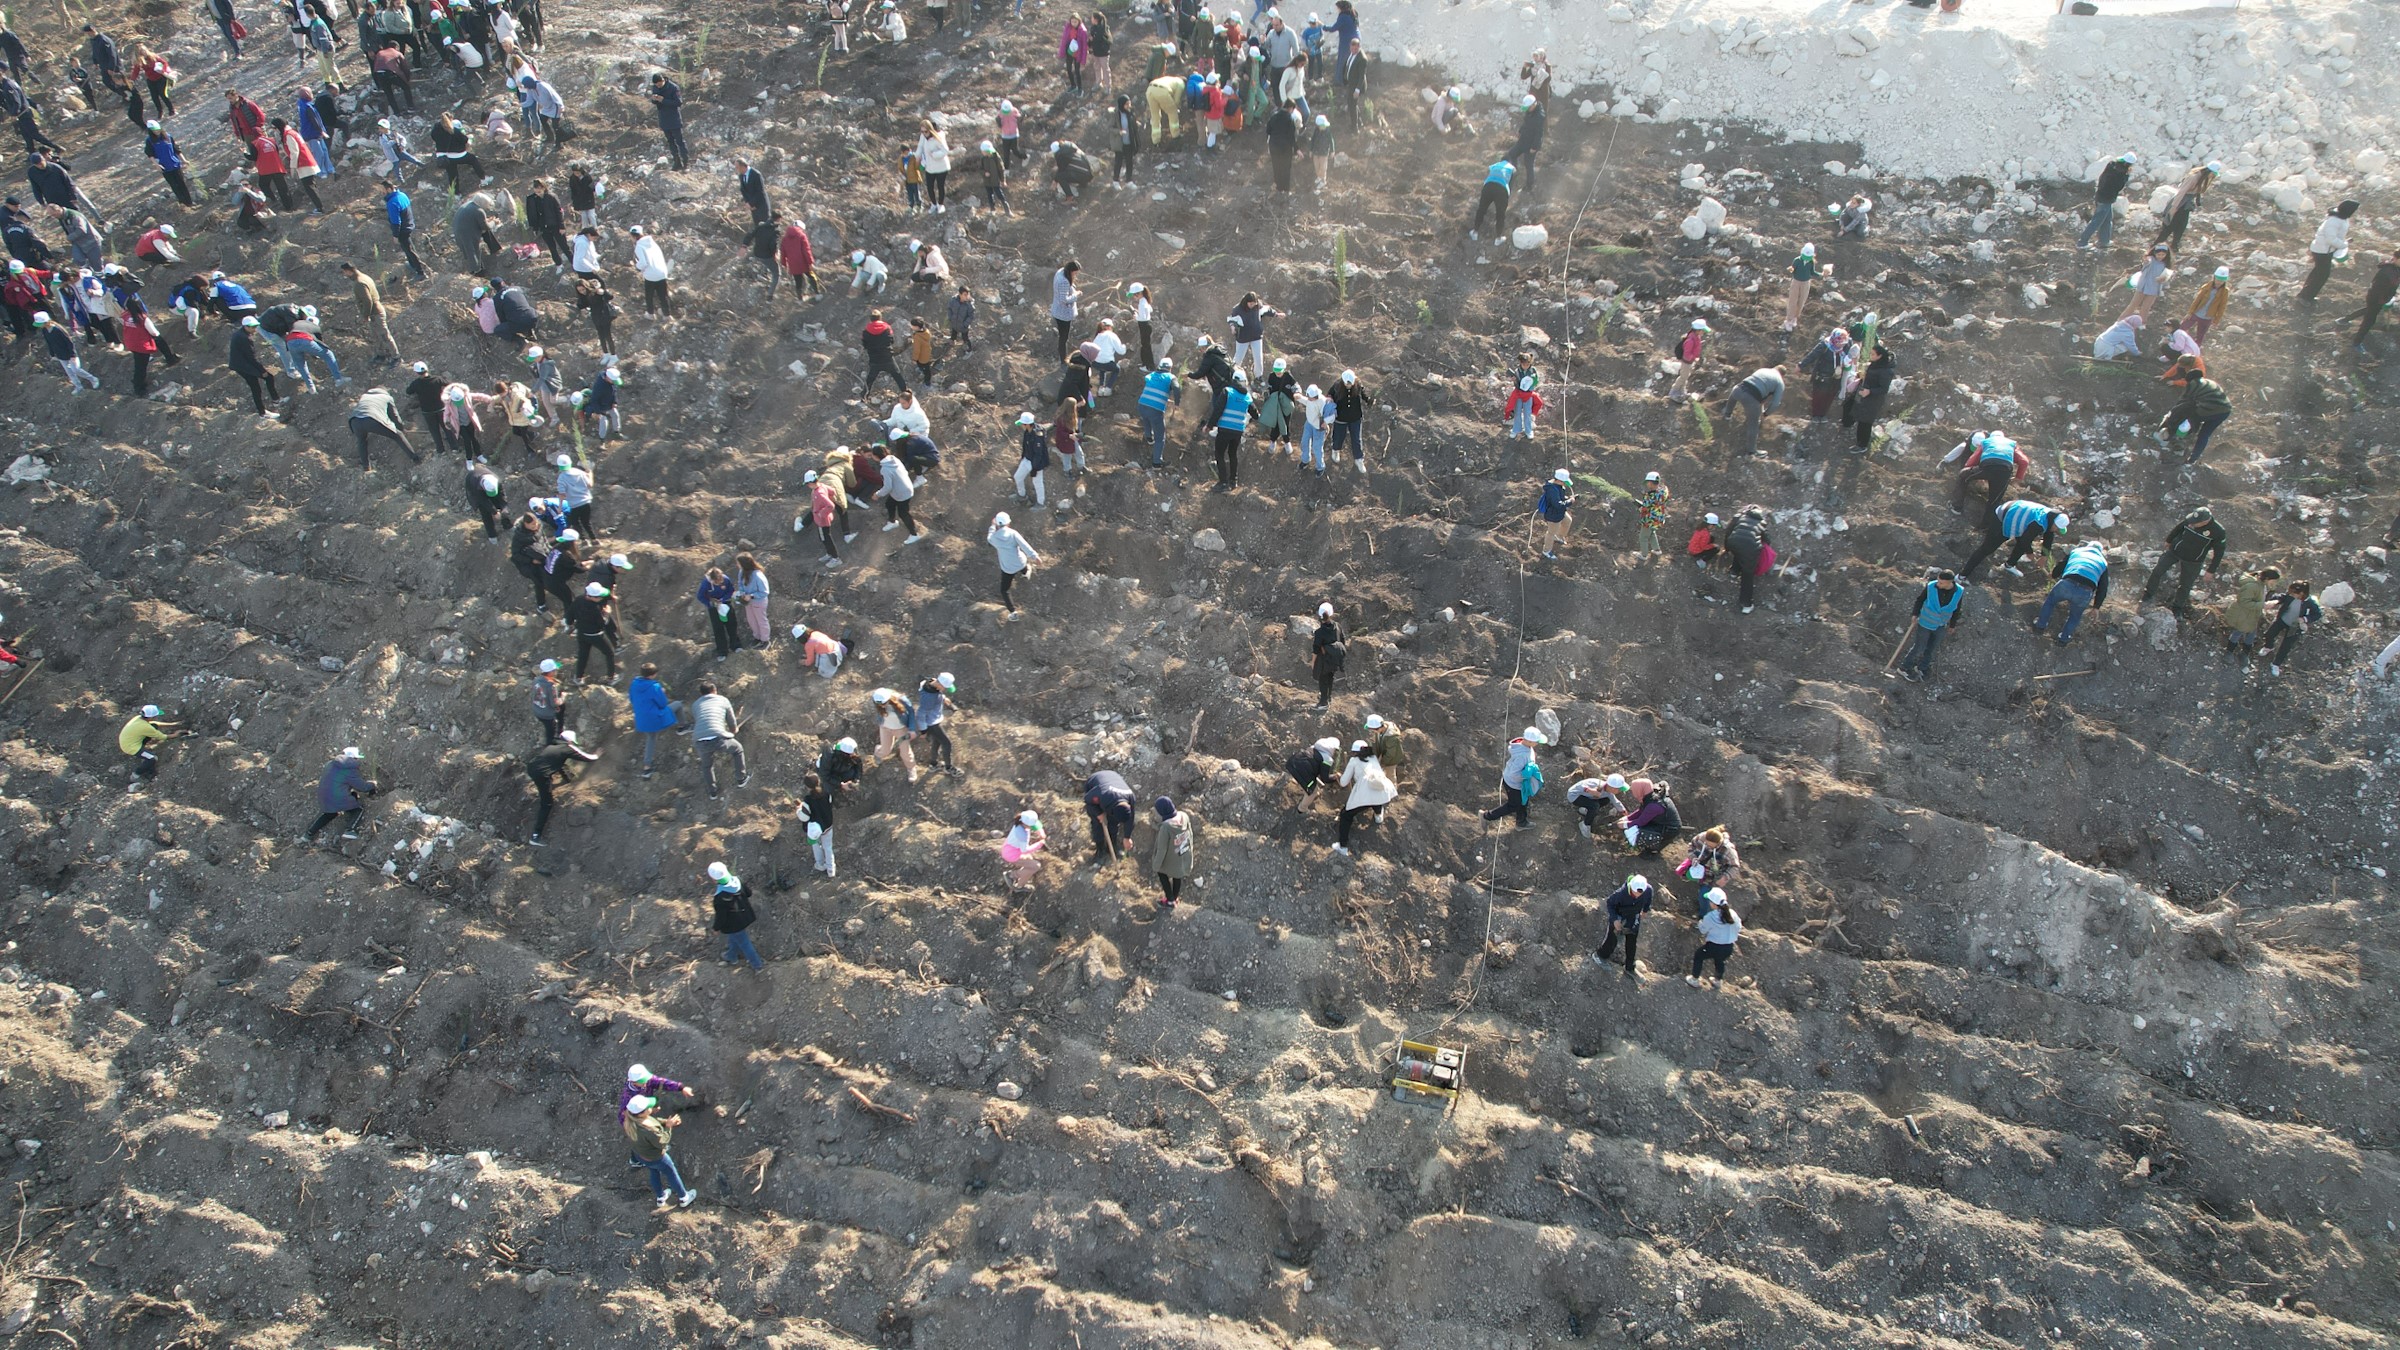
x=1075, y=44
x=821, y=508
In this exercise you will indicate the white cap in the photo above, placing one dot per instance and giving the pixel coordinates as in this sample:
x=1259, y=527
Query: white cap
x=1526, y=102
x=150, y=125
x=896, y=434
x=150, y=710
x=41, y=319
x=167, y=230
x=1323, y=120
x=858, y=255
x=809, y=477
x=533, y=353
x=1328, y=745
x=1650, y=477
x=565, y=461
x=1374, y=721
x=595, y=590
x=1714, y=895
x=984, y=146
x=569, y=537
x=2224, y=274
x=799, y=630
x=1029, y=818
x=2063, y=521
x=1711, y=518
x=1349, y=377
x=1358, y=747
x=1701, y=326
x=815, y=831
x=718, y=871
x=639, y=1073
x=1135, y=288
x=1534, y=734
x=2215, y=166
x=419, y=367
x=635, y=230
x=846, y=745
x=620, y=562
x=635, y=1106
x=567, y=736
x=350, y=752
x=548, y=666
x=1325, y=610
x=479, y=292
x=1313, y=391
x=1617, y=781
x=1007, y=107
x=1563, y=476
x=1637, y=882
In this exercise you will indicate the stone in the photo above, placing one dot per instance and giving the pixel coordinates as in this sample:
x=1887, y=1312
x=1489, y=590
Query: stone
x=1170, y=240
x=2337, y=595
x=330, y=664
x=1545, y=720
x=1008, y=1091
x=275, y=1120
x=25, y=469
x=1527, y=238
x=1210, y=540
x=1588, y=110
x=2159, y=627
x=26, y=1148
x=1531, y=336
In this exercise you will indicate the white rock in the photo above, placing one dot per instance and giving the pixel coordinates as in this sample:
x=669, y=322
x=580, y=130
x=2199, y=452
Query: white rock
x=2035, y=297
x=25, y=469
x=798, y=369
x=1588, y=110
x=1711, y=213
x=332, y=664
x=1527, y=238
x=28, y=1147
x=1620, y=13
x=2103, y=519
x=1007, y=1091
x=275, y=1120
x=1170, y=240
x=1210, y=540
x=2370, y=160
x=1693, y=229
x=2337, y=595
x=1836, y=167
x=1530, y=336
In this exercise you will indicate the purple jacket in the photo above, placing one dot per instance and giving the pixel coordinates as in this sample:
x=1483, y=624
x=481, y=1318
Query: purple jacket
x=656, y=1087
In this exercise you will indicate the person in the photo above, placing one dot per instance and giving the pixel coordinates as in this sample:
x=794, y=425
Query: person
x=1172, y=851
x=401, y=217
x=2178, y=215
x=713, y=727
x=640, y=1082
x=716, y=601
x=241, y=356
x=1751, y=548
x=816, y=813
x=1520, y=777
x=882, y=348
x=936, y=700
x=1712, y=857
x=1651, y=820
x=593, y=620
x=1311, y=766
x=1690, y=350
x=1531, y=128
x=2380, y=290
x=162, y=149
x=653, y=711
x=1552, y=508
x=1326, y=653
x=2147, y=284
x=1022, y=850
x=1352, y=76
x=2196, y=544
x=649, y=1136
x=2207, y=308
x=892, y=731
x=2246, y=613
x=732, y=915
x=549, y=700
x=1597, y=801
x=1864, y=406
x=1626, y=905
x=1720, y=928
x=547, y=767
x=798, y=258
x=60, y=344
x=750, y=594
x=1990, y=460
x=898, y=490
x=376, y=414
x=2202, y=409
x=667, y=97
x=1016, y=557
x=1108, y=810
x=1855, y=217
x=342, y=790
x=373, y=317
x=1074, y=50
x=1757, y=395
x=825, y=499
x=2019, y=524
x=1702, y=546
x=752, y=185
x=594, y=297
x=2082, y=583
x=1371, y=789
x=933, y=156
x=840, y=767
x=651, y=261
x=920, y=348
x=1231, y=423
x=1805, y=272
x=142, y=731
x=1159, y=388
x=2296, y=611
x=1939, y=607
x=1826, y=365
x=1070, y=168
x=2106, y=188
x=1283, y=142
x=1493, y=198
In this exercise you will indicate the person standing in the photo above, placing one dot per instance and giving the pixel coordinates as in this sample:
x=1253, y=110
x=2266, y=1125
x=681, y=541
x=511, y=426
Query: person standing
x=750, y=593
x=651, y=261
x=593, y=620
x=1720, y=929
x=1805, y=271
x=732, y=915
x=799, y=260
x=816, y=812
x=753, y=188
x=1520, y=777
x=1626, y=906
x=1159, y=388
x=1939, y=607
x=933, y=156
x=2207, y=308
x=241, y=356
x=2082, y=583
x=1757, y=395
x=713, y=725
x=548, y=221
x=1552, y=510
x=653, y=712
x=2109, y=186
x=342, y=790
x=1231, y=423
x=2150, y=282
x=548, y=767
x=2296, y=611
x=823, y=510
x=1690, y=350
x=1326, y=653
x=1865, y=405
x=1016, y=557
x=161, y=148
x=898, y=490
x=1063, y=309
x=373, y=317
x=2178, y=215
x=549, y=701
x=933, y=706
x=882, y=348
x=401, y=217
x=649, y=1136
x=667, y=97
x=1173, y=850
x=1350, y=403
x=2196, y=544
x=892, y=730
x=716, y=600
x=2380, y=290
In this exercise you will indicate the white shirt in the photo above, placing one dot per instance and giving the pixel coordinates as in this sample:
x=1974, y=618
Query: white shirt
x=1109, y=345
x=893, y=28
x=468, y=57
x=584, y=255
x=1141, y=308
x=651, y=260
x=504, y=26
x=2332, y=236
x=911, y=418
x=931, y=264
x=933, y=154
x=1318, y=409
x=871, y=272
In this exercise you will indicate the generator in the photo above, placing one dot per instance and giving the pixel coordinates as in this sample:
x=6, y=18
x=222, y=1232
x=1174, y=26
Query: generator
x=1423, y=1074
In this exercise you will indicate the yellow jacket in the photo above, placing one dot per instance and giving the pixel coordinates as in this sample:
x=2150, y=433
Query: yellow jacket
x=2209, y=301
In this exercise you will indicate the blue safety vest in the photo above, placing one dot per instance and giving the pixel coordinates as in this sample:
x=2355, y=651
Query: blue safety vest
x=1936, y=613
x=1995, y=448
x=2087, y=563
x=2022, y=518
x=1237, y=411
x=1155, y=387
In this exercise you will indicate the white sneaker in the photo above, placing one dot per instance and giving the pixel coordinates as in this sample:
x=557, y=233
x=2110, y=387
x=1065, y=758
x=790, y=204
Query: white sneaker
x=689, y=1197
x=887, y=529
x=850, y=536
x=2013, y=571
x=1692, y=980
x=1747, y=608
x=2273, y=669
x=912, y=539
x=1343, y=849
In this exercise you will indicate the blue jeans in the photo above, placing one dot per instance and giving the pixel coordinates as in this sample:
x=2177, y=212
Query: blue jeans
x=283, y=353
x=1154, y=434
x=1520, y=422
x=308, y=373
x=2104, y=223
x=2075, y=595
x=2201, y=431
x=664, y=1179
x=738, y=947
x=324, y=153
x=1312, y=447
x=1353, y=432
x=1919, y=656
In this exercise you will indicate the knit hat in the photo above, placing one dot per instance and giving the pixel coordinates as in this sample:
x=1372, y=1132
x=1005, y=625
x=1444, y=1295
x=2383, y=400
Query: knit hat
x=1165, y=806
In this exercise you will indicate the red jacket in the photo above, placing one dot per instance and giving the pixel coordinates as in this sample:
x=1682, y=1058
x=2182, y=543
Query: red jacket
x=247, y=117
x=821, y=508
x=29, y=289
x=138, y=338
x=269, y=158
x=296, y=153
x=796, y=252
x=1517, y=396
x=147, y=245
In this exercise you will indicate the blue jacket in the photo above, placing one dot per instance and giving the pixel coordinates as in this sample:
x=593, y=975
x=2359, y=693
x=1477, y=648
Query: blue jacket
x=1157, y=387
x=341, y=779
x=602, y=395
x=231, y=296
x=1502, y=173
x=651, y=711
x=1626, y=908
x=162, y=148
x=929, y=710
x=1553, y=504
x=1520, y=754
x=715, y=593
x=2087, y=562
x=1237, y=411
x=1933, y=613
x=312, y=127
x=396, y=210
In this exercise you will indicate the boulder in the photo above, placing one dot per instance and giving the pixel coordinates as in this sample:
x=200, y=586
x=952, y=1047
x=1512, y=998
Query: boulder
x=1209, y=540
x=1527, y=238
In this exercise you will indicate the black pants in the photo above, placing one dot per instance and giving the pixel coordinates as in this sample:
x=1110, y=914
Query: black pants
x=995, y=198
x=145, y=765
x=1170, y=890
x=159, y=97
x=2019, y=547
x=1149, y=362
x=258, y=399
x=675, y=145
x=898, y=513
x=2283, y=650
x=308, y=189
x=1123, y=171
x=363, y=427
x=1324, y=687
x=1282, y=162
x=1495, y=200
x=1591, y=809
x=1341, y=829
x=937, y=187
x=1745, y=566
x=468, y=162
x=141, y=374
x=586, y=644
x=1109, y=835
x=883, y=365
x=541, y=584
x=2320, y=270
x=541, y=809
x=655, y=299
x=175, y=180
x=550, y=727
x=491, y=518
x=442, y=439
x=1650, y=839
x=1995, y=480
x=555, y=240
x=408, y=249
x=1630, y=936
x=349, y=821
x=1008, y=580
x=938, y=747
x=2183, y=587
x=1512, y=802
x=579, y=518
x=1065, y=329
x=1711, y=951
x=1229, y=457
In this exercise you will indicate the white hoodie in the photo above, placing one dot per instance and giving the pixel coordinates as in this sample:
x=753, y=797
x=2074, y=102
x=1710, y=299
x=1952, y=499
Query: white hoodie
x=651, y=260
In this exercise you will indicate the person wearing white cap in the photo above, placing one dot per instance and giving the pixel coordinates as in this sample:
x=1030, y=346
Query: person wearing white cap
x=1703, y=547
x=1520, y=776
x=714, y=723
x=1530, y=131
x=936, y=700
x=1854, y=217
x=60, y=345
x=648, y=1136
x=575, y=489
x=640, y=1082
x=547, y=767
x=1016, y=557
x=342, y=790
x=1597, y=801
x=2106, y=188
x=1551, y=510
x=1383, y=735
x=1316, y=416
x=2178, y=216
x=549, y=700
x=2208, y=306
x=1626, y=905
x=1311, y=767
x=1805, y=271
x=732, y=915
x=593, y=618
x=141, y=731
x=1350, y=403
x=1720, y=928
x=1326, y=653
x=651, y=262
x=892, y=732
x=1021, y=852
x=1690, y=350
x=1371, y=789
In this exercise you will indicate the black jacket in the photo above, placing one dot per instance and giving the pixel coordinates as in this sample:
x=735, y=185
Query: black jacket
x=754, y=191
x=837, y=770
x=591, y=618
x=1529, y=132
x=1309, y=769
x=2192, y=538
x=242, y=355
x=542, y=212
x=1626, y=908
x=1107, y=793
x=2112, y=183
x=1349, y=401
x=733, y=911
x=426, y=392
x=583, y=190
x=1326, y=652
x=1215, y=367
x=551, y=762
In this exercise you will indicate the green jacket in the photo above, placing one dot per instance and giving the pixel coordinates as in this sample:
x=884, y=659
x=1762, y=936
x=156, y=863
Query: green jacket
x=2248, y=607
x=649, y=1136
x=2203, y=398
x=1178, y=842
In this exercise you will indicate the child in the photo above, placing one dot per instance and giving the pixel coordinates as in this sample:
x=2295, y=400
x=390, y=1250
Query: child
x=1524, y=403
x=1653, y=517
x=912, y=178
x=1010, y=123
x=920, y=348
x=1704, y=547
x=1320, y=148
x=962, y=319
